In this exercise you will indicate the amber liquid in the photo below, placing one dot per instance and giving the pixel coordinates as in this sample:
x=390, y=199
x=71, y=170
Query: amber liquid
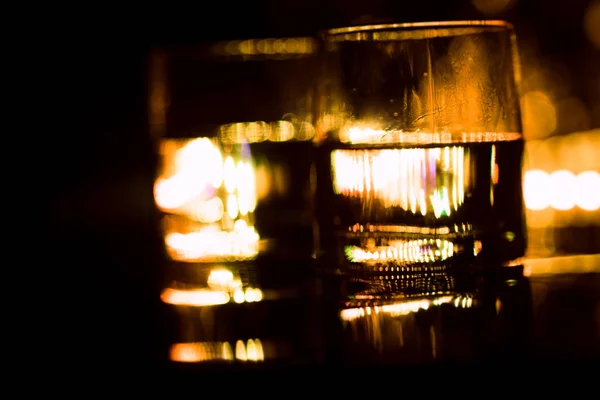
x=386, y=207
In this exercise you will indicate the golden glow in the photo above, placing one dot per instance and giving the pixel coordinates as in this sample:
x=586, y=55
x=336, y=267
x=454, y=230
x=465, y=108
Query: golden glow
x=197, y=297
x=579, y=264
x=255, y=132
x=561, y=184
x=223, y=286
x=212, y=244
x=577, y=152
x=405, y=178
x=400, y=251
x=223, y=279
x=539, y=115
x=442, y=230
x=249, y=295
x=212, y=197
x=415, y=30
x=562, y=190
x=536, y=189
x=587, y=186
x=187, y=180
x=208, y=297
x=365, y=135
x=267, y=47
x=197, y=352
x=405, y=307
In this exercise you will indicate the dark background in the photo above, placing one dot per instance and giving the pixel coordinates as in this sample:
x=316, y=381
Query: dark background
x=104, y=224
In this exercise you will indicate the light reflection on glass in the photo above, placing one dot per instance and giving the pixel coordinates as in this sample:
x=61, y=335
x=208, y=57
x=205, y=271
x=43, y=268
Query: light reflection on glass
x=260, y=131
x=194, y=297
x=205, y=297
x=399, y=251
x=209, y=198
x=209, y=189
x=365, y=135
x=276, y=47
x=222, y=286
x=406, y=307
x=428, y=180
x=389, y=327
x=196, y=352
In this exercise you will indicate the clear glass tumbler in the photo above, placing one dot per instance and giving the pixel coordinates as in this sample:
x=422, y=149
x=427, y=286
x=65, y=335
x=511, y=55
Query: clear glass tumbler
x=233, y=126
x=234, y=132
x=419, y=147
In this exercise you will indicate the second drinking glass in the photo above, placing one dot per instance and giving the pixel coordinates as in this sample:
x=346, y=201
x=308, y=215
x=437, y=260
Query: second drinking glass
x=233, y=123
x=420, y=148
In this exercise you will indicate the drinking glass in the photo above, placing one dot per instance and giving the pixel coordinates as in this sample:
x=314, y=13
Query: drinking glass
x=234, y=168
x=419, y=147
x=233, y=126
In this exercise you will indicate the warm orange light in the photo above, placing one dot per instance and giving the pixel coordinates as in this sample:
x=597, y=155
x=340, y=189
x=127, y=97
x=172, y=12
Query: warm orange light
x=578, y=264
x=196, y=297
x=400, y=251
x=222, y=286
x=260, y=131
x=405, y=307
x=280, y=48
x=562, y=190
x=197, y=352
x=212, y=198
x=394, y=176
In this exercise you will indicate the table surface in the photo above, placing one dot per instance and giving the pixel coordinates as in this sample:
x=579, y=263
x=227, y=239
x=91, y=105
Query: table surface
x=110, y=313
x=547, y=312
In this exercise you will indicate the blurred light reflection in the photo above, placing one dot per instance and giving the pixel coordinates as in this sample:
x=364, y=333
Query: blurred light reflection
x=223, y=285
x=194, y=297
x=581, y=264
x=196, y=352
x=539, y=115
x=561, y=180
x=259, y=131
x=406, y=307
x=404, y=178
x=280, y=48
x=207, y=297
x=591, y=23
x=562, y=190
x=209, y=197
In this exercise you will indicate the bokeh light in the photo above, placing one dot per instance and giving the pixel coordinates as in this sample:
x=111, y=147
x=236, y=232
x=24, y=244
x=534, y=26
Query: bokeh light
x=591, y=23
x=561, y=174
x=547, y=74
x=539, y=115
x=536, y=189
x=562, y=184
x=588, y=191
x=562, y=190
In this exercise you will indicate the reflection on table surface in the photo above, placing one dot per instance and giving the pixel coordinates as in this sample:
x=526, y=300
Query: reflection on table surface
x=253, y=315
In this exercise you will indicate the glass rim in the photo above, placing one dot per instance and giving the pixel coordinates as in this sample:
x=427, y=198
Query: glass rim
x=421, y=26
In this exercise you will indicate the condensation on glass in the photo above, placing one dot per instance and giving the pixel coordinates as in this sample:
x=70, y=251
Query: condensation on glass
x=420, y=146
